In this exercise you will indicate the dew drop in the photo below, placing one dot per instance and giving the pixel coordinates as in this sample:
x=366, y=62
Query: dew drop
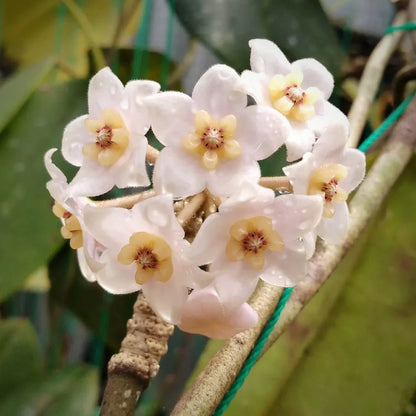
x=112, y=90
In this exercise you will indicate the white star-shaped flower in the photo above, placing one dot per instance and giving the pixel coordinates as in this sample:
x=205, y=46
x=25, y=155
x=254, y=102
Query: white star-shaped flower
x=146, y=250
x=331, y=171
x=213, y=140
x=109, y=143
x=298, y=90
x=255, y=235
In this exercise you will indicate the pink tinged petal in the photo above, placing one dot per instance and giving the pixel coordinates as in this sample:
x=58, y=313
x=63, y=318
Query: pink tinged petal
x=286, y=268
x=235, y=282
x=73, y=141
x=261, y=131
x=118, y=279
x=210, y=241
x=204, y=314
x=131, y=171
x=296, y=215
x=219, y=91
x=299, y=173
x=300, y=141
x=334, y=230
x=112, y=227
x=137, y=91
x=105, y=91
x=166, y=299
x=179, y=173
x=171, y=116
x=315, y=75
x=230, y=174
x=92, y=179
x=354, y=161
x=256, y=86
x=267, y=57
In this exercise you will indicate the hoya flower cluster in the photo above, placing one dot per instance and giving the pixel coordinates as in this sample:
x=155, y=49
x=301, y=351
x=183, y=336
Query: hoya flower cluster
x=212, y=141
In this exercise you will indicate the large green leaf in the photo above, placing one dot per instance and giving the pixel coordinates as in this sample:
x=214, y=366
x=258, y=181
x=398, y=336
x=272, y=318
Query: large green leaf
x=18, y=88
x=65, y=392
x=29, y=232
x=20, y=358
x=300, y=28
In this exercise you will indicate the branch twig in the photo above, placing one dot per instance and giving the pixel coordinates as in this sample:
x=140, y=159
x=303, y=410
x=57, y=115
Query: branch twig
x=370, y=80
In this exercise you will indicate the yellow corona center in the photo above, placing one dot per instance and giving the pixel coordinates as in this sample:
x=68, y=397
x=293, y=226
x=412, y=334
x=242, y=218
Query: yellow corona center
x=111, y=138
x=152, y=255
x=212, y=139
x=325, y=181
x=71, y=229
x=249, y=240
x=290, y=99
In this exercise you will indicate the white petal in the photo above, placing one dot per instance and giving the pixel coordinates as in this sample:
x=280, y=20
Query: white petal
x=137, y=92
x=105, y=90
x=230, y=174
x=267, y=57
x=285, y=268
x=112, y=227
x=330, y=146
x=235, y=282
x=132, y=171
x=118, y=279
x=179, y=173
x=74, y=139
x=333, y=230
x=54, y=172
x=327, y=114
x=92, y=179
x=219, y=91
x=315, y=75
x=210, y=241
x=354, y=160
x=300, y=141
x=171, y=117
x=261, y=131
x=204, y=314
x=299, y=173
x=256, y=85
x=166, y=299
x=296, y=215
x=84, y=265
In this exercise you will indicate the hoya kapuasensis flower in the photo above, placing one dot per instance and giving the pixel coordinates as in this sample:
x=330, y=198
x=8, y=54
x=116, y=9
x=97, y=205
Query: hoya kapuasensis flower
x=256, y=235
x=331, y=171
x=109, y=143
x=213, y=140
x=146, y=250
x=298, y=90
x=69, y=210
x=205, y=314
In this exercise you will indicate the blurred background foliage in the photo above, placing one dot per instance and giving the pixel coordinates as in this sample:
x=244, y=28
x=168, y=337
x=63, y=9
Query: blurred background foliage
x=351, y=351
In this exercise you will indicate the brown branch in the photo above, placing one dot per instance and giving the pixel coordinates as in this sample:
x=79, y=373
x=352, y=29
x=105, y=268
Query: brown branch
x=130, y=371
x=371, y=78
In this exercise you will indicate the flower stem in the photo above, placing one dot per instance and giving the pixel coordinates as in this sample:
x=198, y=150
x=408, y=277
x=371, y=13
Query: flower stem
x=371, y=78
x=151, y=154
x=276, y=182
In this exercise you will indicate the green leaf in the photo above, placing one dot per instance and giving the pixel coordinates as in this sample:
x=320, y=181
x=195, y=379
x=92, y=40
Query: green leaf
x=65, y=392
x=19, y=87
x=20, y=357
x=88, y=300
x=29, y=232
x=300, y=28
